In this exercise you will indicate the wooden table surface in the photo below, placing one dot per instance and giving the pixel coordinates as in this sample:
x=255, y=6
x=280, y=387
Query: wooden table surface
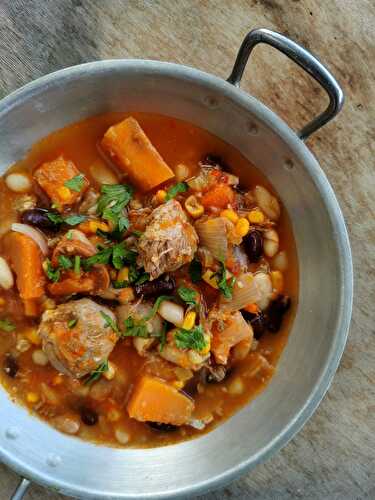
x=333, y=457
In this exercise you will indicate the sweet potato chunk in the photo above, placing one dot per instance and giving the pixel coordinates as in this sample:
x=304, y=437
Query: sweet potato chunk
x=154, y=400
x=26, y=261
x=52, y=177
x=235, y=331
x=132, y=151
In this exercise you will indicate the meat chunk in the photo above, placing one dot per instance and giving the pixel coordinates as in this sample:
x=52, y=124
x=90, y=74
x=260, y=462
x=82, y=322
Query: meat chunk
x=76, y=337
x=168, y=242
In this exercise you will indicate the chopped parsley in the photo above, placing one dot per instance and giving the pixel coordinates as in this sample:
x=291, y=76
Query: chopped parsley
x=97, y=373
x=72, y=323
x=7, y=325
x=110, y=323
x=69, y=235
x=120, y=284
x=102, y=257
x=71, y=220
x=142, y=279
x=225, y=287
x=76, y=183
x=135, y=328
x=180, y=187
x=118, y=255
x=65, y=262
x=163, y=336
x=77, y=264
x=195, y=270
x=188, y=295
x=52, y=273
x=156, y=306
x=111, y=204
x=137, y=233
x=190, y=339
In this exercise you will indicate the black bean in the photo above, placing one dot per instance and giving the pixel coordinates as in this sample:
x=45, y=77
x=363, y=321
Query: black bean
x=275, y=312
x=10, y=366
x=88, y=416
x=216, y=373
x=156, y=426
x=215, y=161
x=164, y=284
x=253, y=243
x=38, y=217
x=258, y=322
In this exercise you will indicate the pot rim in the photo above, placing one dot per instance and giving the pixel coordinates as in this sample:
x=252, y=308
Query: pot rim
x=296, y=145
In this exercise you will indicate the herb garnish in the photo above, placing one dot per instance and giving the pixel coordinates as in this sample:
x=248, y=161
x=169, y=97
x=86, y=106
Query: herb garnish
x=76, y=183
x=163, y=336
x=52, y=273
x=195, y=271
x=156, y=306
x=7, y=325
x=77, y=264
x=110, y=323
x=188, y=295
x=135, y=328
x=113, y=200
x=118, y=255
x=180, y=187
x=72, y=323
x=97, y=373
x=225, y=287
x=65, y=262
x=71, y=220
x=190, y=339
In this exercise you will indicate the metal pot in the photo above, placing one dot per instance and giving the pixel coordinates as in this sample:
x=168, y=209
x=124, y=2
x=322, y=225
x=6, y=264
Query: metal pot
x=73, y=467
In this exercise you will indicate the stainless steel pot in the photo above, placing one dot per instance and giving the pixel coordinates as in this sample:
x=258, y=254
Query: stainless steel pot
x=38, y=452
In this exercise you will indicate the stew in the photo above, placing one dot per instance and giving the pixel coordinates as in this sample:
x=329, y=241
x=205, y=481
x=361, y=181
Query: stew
x=148, y=280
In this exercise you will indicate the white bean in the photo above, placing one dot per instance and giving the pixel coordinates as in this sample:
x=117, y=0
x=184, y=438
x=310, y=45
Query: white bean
x=264, y=288
x=280, y=261
x=270, y=242
x=39, y=357
x=172, y=312
x=19, y=183
x=267, y=202
x=6, y=276
x=23, y=345
x=67, y=424
x=122, y=436
x=182, y=172
x=103, y=174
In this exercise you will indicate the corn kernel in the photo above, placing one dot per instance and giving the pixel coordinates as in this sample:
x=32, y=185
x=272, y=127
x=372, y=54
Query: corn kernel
x=64, y=193
x=230, y=214
x=126, y=295
x=113, y=415
x=57, y=379
x=242, y=227
x=123, y=274
x=189, y=320
x=161, y=195
x=178, y=384
x=32, y=335
x=256, y=216
x=111, y=372
x=32, y=397
x=209, y=277
x=193, y=207
x=277, y=279
x=94, y=225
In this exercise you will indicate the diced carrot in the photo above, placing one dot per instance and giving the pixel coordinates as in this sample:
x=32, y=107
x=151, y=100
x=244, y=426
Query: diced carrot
x=26, y=260
x=53, y=175
x=220, y=196
x=222, y=341
x=31, y=307
x=130, y=148
x=154, y=400
x=251, y=308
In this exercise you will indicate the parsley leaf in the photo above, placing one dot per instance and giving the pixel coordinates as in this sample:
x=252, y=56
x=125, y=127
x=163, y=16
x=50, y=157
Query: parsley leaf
x=143, y=278
x=102, y=257
x=135, y=328
x=52, y=273
x=72, y=323
x=69, y=235
x=180, y=187
x=188, y=295
x=109, y=322
x=65, y=262
x=97, y=373
x=73, y=220
x=112, y=201
x=163, y=336
x=122, y=255
x=190, y=339
x=137, y=233
x=156, y=306
x=6, y=325
x=77, y=264
x=225, y=288
x=120, y=284
x=76, y=183
x=55, y=217
x=195, y=271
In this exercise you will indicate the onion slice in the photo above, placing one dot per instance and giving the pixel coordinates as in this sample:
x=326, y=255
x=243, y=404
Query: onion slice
x=249, y=289
x=36, y=235
x=213, y=235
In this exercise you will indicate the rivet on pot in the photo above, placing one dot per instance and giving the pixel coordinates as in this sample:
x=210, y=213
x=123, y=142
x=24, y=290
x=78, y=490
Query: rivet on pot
x=53, y=460
x=211, y=102
x=12, y=433
x=288, y=164
x=252, y=128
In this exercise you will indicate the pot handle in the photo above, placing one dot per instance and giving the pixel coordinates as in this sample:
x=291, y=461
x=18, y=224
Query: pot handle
x=21, y=489
x=305, y=60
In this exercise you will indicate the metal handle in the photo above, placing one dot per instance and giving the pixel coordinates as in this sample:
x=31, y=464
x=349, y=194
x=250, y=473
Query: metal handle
x=21, y=490
x=305, y=60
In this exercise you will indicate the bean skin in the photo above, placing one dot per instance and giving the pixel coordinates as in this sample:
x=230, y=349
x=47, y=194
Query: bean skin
x=253, y=243
x=276, y=311
x=164, y=284
x=89, y=416
x=257, y=321
x=156, y=426
x=10, y=366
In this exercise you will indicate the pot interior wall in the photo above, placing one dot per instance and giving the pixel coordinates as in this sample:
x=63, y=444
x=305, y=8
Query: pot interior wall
x=307, y=360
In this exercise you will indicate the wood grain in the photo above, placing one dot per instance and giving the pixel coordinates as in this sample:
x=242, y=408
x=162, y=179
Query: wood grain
x=334, y=456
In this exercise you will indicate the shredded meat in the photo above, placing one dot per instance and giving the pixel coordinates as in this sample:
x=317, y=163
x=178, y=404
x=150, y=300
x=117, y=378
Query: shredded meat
x=168, y=242
x=79, y=349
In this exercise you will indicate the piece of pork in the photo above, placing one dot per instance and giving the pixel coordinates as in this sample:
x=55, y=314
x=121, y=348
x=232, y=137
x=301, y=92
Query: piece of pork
x=76, y=338
x=168, y=242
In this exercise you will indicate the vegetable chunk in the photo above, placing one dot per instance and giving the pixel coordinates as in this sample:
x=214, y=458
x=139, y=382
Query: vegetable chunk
x=236, y=330
x=133, y=152
x=62, y=182
x=154, y=400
